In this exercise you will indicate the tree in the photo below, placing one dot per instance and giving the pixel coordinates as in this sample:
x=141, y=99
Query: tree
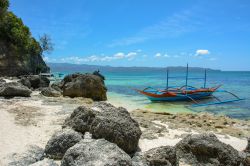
x=46, y=43
x=4, y=4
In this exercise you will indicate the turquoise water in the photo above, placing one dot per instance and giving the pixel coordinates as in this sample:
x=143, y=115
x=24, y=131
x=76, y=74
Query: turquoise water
x=120, y=91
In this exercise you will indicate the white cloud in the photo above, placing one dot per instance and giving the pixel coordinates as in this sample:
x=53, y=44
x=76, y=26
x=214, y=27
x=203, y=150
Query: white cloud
x=100, y=58
x=166, y=55
x=158, y=54
x=201, y=52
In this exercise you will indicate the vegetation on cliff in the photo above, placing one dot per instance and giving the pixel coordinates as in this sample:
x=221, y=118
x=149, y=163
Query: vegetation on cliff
x=20, y=53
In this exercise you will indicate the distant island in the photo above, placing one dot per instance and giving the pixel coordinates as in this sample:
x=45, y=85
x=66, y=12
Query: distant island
x=61, y=67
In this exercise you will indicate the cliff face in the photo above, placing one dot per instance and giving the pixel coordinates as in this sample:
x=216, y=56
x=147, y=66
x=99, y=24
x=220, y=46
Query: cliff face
x=14, y=62
x=20, y=53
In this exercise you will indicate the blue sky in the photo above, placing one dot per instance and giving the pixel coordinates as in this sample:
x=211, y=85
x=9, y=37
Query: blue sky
x=205, y=33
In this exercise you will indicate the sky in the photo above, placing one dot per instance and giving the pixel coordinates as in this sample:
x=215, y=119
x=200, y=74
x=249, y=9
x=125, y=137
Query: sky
x=204, y=33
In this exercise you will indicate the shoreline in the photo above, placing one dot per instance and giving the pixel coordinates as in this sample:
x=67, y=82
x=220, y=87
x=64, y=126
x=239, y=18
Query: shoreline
x=33, y=120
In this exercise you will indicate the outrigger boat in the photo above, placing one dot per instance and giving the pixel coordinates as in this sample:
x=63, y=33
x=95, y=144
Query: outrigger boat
x=186, y=92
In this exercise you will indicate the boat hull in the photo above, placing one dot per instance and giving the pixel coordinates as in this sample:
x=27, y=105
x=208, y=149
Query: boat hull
x=182, y=97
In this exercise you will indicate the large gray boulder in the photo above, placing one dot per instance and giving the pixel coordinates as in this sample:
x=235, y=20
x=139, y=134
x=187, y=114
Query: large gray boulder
x=164, y=155
x=248, y=146
x=50, y=92
x=13, y=89
x=206, y=150
x=32, y=155
x=2, y=81
x=138, y=159
x=35, y=81
x=45, y=162
x=104, y=120
x=96, y=153
x=84, y=85
x=60, y=142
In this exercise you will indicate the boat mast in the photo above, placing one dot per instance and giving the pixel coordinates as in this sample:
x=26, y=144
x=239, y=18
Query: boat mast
x=167, y=79
x=187, y=76
x=205, y=78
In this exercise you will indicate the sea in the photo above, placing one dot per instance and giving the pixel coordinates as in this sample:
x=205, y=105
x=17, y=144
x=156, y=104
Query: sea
x=121, y=85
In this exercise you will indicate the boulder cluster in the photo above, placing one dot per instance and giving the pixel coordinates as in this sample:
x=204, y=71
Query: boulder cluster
x=73, y=85
x=107, y=135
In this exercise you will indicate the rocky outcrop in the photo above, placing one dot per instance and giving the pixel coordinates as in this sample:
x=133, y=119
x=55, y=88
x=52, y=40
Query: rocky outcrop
x=95, y=152
x=206, y=149
x=104, y=120
x=84, y=85
x=2, y=81
x=60, y=142
x=32, y=155
x=138, y=159
x=164, y=155
x=13, y=89
x=35, y=81
x=57, y=86
x=248, y=145
x=50, y=92
x=45, y=162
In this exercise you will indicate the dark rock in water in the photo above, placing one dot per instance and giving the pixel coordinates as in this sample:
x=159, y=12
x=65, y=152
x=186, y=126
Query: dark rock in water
x=104, y=120
x=139, y=160
x=206, y=149
x=50, y=92
x=164, y=155
x=13, y=89
x=60, y=142
x=35, y=81
x=95, y=153
x=33, y=154
x=45, y=162
x=84, y=85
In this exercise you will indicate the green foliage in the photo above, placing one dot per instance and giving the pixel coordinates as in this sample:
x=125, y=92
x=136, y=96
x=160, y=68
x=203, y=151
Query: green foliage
x=17, y=35
x=4, y=4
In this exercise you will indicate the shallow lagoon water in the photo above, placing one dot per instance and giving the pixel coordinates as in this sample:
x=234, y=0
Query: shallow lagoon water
x=120, y=91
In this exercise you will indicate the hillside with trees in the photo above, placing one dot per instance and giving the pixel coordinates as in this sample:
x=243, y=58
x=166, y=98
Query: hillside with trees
x=20, y=53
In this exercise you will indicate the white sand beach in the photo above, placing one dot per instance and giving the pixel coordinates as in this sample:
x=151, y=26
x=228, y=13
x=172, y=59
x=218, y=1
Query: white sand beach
x=32, y=121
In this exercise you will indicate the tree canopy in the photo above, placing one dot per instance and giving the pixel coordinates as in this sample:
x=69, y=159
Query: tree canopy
x=18, y=36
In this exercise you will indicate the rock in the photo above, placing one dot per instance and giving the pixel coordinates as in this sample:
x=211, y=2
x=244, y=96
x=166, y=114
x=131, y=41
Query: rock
x=33, y=154
x=60, y=142
x=45, y=162
x=84, y=85
x=95, y=153
x=57, y=86
x=25, y=82
x=164, y=155
x=97, y=73
x=35, y=81
x=50, y=92
x=206, y=149
x=13, y=89
x=139, y=160
x=104, y=120
x=2, y=81
x=248, y=146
